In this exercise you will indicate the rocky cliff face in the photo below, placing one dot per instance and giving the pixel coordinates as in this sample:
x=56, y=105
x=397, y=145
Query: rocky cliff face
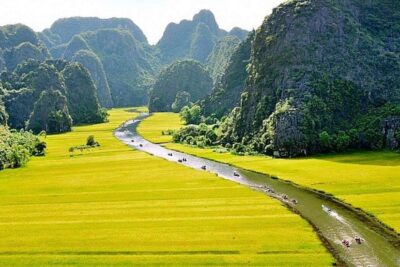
x=318, y=65
x=219, y=58
x=231, y=84
x=92, y=63
x=128, y=65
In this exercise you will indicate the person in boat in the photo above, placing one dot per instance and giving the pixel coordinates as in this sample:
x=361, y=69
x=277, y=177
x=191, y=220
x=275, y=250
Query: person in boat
x=236, y=174
x=358, y=240
x=346, y=243
x=132, y=141
x=180, y=161
x=141, y=145
x=294, y=201
x=204, y=167
x=170, y=154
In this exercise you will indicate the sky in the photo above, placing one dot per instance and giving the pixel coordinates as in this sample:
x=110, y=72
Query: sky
x=152, y=16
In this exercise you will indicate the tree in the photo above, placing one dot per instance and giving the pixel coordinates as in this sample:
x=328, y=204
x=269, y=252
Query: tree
x=182, y=99
x=342, y=141
x=191, y=115
x=325, y=141
x=90, y=141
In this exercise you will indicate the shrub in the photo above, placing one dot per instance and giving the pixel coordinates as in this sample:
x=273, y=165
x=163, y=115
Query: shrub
x=191, y=115
x=342, y=141
x=325, y=141
x=16, y=148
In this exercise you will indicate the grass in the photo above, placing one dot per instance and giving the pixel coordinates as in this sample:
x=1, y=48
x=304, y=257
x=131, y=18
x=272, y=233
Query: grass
x=368, y=180
x=120, y=207
x=162, y=122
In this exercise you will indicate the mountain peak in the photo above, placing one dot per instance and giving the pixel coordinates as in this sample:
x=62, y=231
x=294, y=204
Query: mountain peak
x=207, y=17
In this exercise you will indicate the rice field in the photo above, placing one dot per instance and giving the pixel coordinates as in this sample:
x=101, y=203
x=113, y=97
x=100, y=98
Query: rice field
x=113, y=206
x=369, y=179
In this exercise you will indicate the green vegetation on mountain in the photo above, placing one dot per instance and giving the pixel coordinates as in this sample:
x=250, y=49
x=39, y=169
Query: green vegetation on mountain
x=120, y=60
x=18, y=106
x=93, y=64
x=182, y=80
x=25, y=86
x=49, y=38
x=19, y=43
x=128, y=65
x=76, y=44
x=115, y=51
x=219, y=58
x=329, y=77
x=323, y=77
x=229, y=87
x=22, y=52
x=193, y=39
x=50, y=114
x=239, y=33
x=83, y=104
x=14, y=35
x=78, y=50
x=58, y=51
x=2, y=62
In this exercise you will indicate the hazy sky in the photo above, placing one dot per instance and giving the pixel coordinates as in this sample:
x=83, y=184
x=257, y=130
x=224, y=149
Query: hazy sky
x=152, y=16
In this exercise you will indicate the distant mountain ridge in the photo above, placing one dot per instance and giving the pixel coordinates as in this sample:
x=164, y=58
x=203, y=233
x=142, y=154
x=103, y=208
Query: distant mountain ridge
x=62, y=30
x=193, y=39
x=115, y=51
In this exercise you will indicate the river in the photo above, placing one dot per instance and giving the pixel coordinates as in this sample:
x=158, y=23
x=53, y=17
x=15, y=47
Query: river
x=333, y=222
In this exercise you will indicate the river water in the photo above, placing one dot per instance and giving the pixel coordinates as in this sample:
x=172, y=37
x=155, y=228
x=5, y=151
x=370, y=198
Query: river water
x=334, y=222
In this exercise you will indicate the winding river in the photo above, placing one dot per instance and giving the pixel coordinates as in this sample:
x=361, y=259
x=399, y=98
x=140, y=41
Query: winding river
x=333, y=222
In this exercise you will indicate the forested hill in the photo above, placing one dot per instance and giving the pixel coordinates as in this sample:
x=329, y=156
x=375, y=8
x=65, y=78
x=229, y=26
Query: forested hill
x=323, y=76
x=122, y=63
x=115, y=51
x=19, y=43
x=179, y=84
x=49, y=96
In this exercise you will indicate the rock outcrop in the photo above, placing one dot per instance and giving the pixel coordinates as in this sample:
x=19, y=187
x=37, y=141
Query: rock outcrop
x=319, y=65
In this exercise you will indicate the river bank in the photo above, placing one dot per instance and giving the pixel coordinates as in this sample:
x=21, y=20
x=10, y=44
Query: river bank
x=359, y=219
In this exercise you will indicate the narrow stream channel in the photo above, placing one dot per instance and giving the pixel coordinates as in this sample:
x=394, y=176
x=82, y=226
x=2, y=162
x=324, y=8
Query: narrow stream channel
x=334, y=222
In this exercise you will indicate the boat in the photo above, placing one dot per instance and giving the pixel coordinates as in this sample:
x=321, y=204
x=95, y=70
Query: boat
x=326, y=209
